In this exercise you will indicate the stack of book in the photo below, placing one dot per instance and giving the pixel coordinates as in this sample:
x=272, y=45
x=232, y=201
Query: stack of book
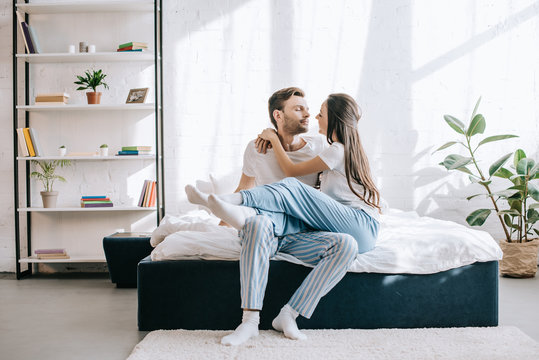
x=95, y=201
x=51, y=254
x=148, y=194
x=28, y=35
x=135, y=150
x=28, y=142
x=52, y=99
x=133, y=46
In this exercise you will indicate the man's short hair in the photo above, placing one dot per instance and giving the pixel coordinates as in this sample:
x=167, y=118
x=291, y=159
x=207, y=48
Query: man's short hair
x=277, y=100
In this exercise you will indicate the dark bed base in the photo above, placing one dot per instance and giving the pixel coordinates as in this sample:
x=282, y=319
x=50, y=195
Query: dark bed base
x=198, y=294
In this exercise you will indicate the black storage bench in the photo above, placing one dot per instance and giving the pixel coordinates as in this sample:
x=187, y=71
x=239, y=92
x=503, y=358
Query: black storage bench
x=202, y=294
x=123, y=251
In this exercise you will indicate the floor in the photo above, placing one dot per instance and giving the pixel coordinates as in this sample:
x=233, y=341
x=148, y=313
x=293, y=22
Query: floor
x=86, y=317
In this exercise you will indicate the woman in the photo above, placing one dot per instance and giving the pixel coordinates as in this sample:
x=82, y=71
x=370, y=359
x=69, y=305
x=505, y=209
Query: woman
x=347, y=203
x=348, y=200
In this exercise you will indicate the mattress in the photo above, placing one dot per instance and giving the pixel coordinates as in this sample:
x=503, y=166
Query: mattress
x=407, y=244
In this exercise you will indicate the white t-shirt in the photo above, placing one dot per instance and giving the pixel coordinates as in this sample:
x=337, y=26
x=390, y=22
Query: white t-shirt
x=333, y=182
x=265, y=167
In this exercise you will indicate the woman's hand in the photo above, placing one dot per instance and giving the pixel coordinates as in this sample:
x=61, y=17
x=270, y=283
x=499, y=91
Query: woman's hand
x=269, y=134
x=262, y=146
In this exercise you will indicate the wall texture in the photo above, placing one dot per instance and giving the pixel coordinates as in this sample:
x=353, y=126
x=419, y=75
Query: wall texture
x=406, y=62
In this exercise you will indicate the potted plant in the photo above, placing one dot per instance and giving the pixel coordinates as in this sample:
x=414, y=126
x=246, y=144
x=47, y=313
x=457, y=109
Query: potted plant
x=104, y=150
x=91, y=80
x=62, y=150
x=45, y=172
x=518, y=221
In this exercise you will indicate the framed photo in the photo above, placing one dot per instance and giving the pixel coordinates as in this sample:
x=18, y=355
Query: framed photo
x=137, y=96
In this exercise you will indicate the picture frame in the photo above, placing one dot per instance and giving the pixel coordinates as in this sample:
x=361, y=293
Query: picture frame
x=136, y=96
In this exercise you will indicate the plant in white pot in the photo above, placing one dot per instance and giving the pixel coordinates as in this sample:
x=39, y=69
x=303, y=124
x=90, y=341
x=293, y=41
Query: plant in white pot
x=45, y=172
x=91, y=80
x=520, y=249
x=104, y=150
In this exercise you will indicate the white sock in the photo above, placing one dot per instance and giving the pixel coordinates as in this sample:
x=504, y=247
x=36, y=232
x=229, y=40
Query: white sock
x=234, y=198
x=196, y=196
x=234, y=215
x=286, y=323
x=247, y=329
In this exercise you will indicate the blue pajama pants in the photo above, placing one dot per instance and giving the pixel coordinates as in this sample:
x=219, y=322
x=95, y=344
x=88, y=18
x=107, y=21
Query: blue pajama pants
x=294, y=207
x=291, y=210
x=331, y=254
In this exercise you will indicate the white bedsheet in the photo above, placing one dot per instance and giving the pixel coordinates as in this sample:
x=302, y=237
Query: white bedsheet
x=407, y=243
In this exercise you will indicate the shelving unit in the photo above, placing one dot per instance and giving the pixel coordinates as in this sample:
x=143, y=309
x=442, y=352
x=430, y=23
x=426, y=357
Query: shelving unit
x=76, y=122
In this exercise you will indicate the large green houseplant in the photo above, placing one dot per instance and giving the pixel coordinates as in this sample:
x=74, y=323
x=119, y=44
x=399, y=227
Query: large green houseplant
x=91, y=80
x=519, y=200
x=45, y=171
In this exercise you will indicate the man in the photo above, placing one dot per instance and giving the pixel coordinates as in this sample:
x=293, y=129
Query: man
x=330, y=253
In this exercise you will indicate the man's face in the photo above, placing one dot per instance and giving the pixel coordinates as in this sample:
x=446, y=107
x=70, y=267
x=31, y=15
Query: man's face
x=295, y=116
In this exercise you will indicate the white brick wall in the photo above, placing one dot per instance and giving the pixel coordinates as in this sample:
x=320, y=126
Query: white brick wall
x=407, y=64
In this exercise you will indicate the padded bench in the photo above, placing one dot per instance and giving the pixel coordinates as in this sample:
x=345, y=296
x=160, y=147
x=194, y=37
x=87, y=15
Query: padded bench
x=123, y=251
x=201, y=294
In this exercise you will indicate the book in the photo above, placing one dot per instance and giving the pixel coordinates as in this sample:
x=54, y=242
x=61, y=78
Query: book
x=95, y=200
x=118, y=50
x=134, y=152
x=142, y=193
x=132, y=47
x=20, y=20
x=47, y=98
x=28, y=139
x=133, y=43
x=88, y=205
x=49, y=251
x=53, y=94
x=84, y=197
x=147, y=194
x=27, y=38
x=53, y=256
x=22, y=143
x=151, y=202
x=130, y=234
x=35, y=142
x=33, y=36
x=50, y=103
x=135, y=148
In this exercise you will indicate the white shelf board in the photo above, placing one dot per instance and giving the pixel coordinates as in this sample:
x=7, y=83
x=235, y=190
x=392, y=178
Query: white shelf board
x=88, y=6
x=94, y=158
x=86, y=107
x=88, y=57
x=79, y=209
x=72, y=259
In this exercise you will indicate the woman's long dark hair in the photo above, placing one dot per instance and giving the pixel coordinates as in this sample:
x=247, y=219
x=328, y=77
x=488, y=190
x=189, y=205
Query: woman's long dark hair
x=343, y=117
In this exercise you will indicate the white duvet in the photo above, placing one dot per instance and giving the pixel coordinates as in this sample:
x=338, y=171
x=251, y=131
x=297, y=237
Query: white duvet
x=407, y=243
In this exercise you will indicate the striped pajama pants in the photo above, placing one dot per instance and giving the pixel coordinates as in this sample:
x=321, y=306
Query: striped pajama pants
x=290, y=210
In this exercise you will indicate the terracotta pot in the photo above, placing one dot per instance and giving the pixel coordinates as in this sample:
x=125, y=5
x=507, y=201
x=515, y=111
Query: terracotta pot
x=93, y=97
x=519, y=259
x=49, y=198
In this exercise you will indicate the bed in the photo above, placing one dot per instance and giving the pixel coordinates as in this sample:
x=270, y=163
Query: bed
x=423, y=272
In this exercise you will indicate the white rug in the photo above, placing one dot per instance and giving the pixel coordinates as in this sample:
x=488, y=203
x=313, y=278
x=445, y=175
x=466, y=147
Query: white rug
x=505, y=342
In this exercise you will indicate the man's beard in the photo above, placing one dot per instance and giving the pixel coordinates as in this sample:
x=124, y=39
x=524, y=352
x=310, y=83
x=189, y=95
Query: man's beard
x=294, y=127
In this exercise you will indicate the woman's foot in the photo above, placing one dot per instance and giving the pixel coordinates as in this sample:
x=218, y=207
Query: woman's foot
x=286, y=323
x=196, y=196
x=234, y=215
x=247, y=329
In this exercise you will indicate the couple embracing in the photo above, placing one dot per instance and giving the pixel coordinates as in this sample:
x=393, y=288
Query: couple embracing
x=325, y=228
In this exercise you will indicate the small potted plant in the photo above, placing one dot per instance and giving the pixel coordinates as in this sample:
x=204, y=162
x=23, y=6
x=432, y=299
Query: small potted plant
x=91, y=80
x=45, y=172
x=104, y=150
x=62, y=150
x=518, y=222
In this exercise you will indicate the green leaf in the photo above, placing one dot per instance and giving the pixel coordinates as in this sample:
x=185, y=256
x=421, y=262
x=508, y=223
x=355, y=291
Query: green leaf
x=454, y=161
x=455, y=124
x=507, y=220
x=498, y=164
x=525, y=165
x=519, y=155
x=477, y=126
x=476, y=107
x=509, y=212
x=534, y=206
x=536, y=231
x=445, y=146
x=534, y=170
x=503, y=173
x=471, y=197
x=505, y=193
x=532, y=216
x=533, y=191
x=485, y=183
x=517, y=177
x=478, y=217
x=495, y=138
x=464, y=169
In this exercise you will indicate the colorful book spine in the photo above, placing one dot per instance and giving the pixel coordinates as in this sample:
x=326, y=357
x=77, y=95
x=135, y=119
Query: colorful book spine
x=134, y=152
x=35, y=142
x=93, y=197
x=28, y=38
x=28, y=139
x=118, y=50
x=22, y=143
x=90, y=205
x=136, y=148
x=49, y=251
x=133, y=43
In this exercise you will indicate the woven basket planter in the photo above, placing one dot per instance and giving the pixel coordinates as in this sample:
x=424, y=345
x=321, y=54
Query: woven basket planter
x=519, y=259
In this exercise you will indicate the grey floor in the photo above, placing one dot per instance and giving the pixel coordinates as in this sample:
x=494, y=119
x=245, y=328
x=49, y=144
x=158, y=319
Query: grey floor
x=87, y=317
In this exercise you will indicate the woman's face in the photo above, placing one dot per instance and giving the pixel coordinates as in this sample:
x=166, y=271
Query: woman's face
x=322, y=118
